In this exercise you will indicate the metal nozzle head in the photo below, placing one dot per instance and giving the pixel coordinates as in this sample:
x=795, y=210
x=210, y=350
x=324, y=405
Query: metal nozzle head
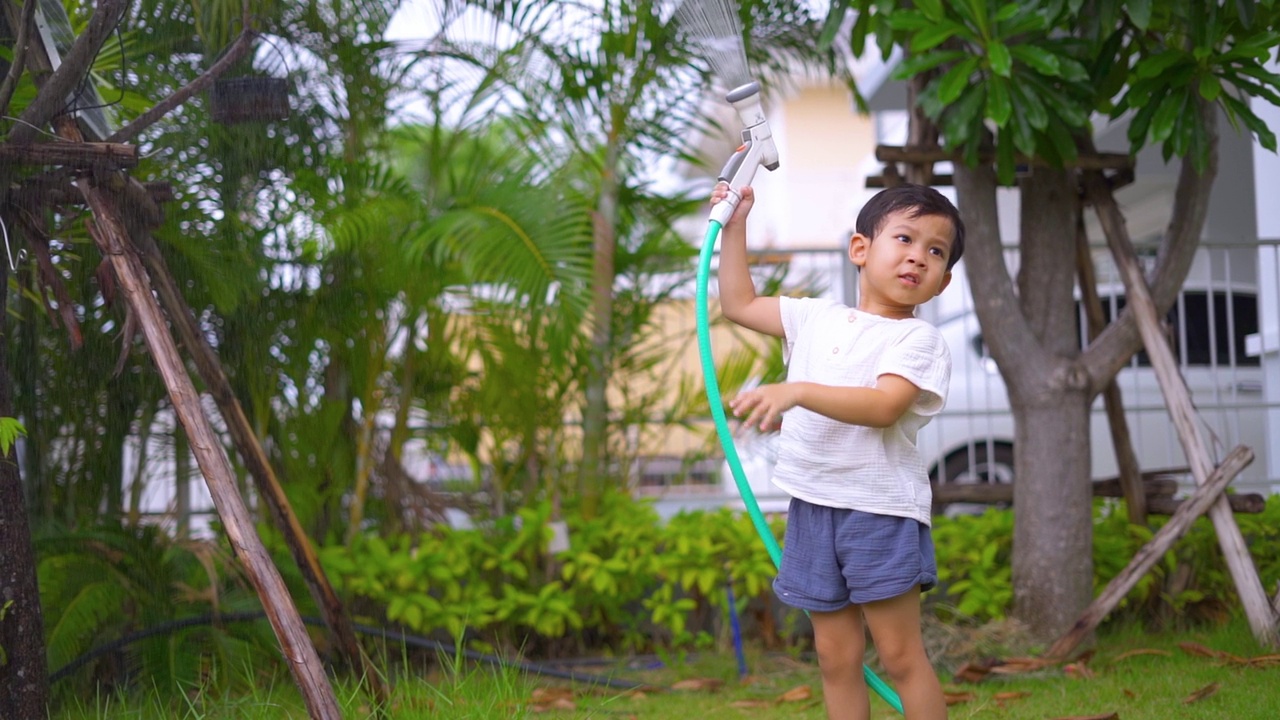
x=743, y=92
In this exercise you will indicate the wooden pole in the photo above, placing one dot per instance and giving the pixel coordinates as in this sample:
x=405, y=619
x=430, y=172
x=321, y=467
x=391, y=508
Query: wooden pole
x=77, y=155
x=107, y=230
x=258, y=464
x=1135, y=499
x=1152, y=552
x=920, y=154
x=1262, y=618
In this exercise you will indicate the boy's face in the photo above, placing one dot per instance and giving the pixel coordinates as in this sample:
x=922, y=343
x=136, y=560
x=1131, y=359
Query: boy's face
x=904, y=265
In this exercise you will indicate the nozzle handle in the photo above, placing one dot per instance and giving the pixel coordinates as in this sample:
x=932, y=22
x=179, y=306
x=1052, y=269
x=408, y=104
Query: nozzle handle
x=723, y=210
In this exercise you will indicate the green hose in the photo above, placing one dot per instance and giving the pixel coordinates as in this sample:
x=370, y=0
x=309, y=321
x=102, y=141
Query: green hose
x=874, y=682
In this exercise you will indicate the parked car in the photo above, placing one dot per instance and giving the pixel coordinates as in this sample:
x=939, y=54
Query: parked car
x=971, y=441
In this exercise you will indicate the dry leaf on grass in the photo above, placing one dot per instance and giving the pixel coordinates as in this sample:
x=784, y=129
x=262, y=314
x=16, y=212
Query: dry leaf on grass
x=1141, y=651
x=1201, y=694
x=1107, y=716
x=973, y=671
x=544, y=699
x=1011, y=695
x=1202, y=651
x=699, y=684
x=557, y=704
x=1078, y=670
x=955, y=698
x=1263, y=661
x=545, y=695
x=1015, y=666
x=800, y=693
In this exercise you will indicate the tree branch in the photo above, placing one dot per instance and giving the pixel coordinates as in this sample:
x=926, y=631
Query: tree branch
x=1120, y=340
x=54, y=91
x=238, y=50
x=19, y=54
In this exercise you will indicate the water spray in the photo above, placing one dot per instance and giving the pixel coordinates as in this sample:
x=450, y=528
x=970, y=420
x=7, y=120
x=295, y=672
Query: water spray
x=714, y=23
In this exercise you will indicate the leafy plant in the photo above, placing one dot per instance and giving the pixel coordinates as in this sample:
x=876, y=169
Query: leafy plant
x=10, y=431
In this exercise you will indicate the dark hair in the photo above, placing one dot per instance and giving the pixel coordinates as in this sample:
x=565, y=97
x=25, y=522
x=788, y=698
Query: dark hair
x=915, y=200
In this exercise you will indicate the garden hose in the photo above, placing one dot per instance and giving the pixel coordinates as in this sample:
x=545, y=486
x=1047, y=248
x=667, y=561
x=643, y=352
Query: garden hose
x=874, y=682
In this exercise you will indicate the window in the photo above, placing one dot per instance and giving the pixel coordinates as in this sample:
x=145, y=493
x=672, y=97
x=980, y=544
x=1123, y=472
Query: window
x=1209, y=329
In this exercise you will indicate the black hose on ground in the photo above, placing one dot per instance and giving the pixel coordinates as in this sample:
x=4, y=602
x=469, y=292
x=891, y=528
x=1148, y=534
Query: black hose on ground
x=384, y=633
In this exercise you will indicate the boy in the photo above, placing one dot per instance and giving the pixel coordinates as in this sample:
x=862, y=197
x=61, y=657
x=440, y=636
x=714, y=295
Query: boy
x=860, y=383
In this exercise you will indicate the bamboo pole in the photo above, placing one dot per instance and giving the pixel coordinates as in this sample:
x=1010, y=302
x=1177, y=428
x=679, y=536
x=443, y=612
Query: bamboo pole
x=1152, y=552
x=1257, y=607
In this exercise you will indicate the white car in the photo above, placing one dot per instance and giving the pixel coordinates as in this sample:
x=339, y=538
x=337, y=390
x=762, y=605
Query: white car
x=971, y=441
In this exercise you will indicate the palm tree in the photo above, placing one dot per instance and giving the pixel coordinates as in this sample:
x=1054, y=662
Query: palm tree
x=618, y=85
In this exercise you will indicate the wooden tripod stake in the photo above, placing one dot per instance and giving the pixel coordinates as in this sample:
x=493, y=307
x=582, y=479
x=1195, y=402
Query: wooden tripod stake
x=108, y=232
x=1261, y=615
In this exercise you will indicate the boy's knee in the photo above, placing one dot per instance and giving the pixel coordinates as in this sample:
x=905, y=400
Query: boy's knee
x=903, y=662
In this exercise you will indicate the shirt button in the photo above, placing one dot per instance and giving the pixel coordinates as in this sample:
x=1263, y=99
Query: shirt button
x=835, y=350
x=852, y=317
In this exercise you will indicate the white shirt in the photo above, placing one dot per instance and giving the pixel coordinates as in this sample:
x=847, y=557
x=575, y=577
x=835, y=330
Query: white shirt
x=836, y=464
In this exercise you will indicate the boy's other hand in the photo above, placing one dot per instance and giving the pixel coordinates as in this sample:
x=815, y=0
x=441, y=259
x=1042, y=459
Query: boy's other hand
x=747, y=195
x=763, y=406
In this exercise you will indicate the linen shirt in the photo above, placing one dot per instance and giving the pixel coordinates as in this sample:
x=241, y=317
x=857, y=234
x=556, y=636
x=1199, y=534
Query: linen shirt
x=837, y=464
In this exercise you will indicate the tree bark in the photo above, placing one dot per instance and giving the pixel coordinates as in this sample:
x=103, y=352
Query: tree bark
x=24, y=677
x=1252, y=595
x=1152, y=552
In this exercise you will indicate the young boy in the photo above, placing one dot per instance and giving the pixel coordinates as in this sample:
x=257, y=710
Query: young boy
x=860, y=383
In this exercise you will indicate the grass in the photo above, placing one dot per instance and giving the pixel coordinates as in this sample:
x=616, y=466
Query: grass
x=1134, y=675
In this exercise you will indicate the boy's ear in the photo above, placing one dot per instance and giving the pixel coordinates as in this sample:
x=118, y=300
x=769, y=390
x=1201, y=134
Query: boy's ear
x=859, y=245
x=946, y=280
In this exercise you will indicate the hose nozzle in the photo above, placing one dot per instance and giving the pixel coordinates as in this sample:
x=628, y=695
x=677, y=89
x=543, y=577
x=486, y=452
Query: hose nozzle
x=757, y=149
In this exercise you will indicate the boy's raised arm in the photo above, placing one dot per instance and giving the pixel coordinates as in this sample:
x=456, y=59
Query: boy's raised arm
x=738, y=299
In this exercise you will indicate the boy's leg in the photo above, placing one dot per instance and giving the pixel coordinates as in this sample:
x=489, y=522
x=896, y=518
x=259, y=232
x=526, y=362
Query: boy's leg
x=840, y=640
x=895, y=630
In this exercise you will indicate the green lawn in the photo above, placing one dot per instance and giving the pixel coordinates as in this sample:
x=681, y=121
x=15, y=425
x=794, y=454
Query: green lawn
x=1132, y=675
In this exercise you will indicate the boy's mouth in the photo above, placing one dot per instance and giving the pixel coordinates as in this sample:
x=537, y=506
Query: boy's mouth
x=910, y=278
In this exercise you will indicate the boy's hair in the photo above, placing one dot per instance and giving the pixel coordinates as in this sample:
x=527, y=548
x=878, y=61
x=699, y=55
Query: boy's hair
x=916, y=200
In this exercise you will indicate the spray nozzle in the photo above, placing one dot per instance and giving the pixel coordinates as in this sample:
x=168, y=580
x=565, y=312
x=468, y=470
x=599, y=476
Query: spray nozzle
x=757, y=149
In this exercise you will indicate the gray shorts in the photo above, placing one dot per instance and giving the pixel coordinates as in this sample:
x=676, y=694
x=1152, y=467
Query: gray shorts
x=835, y=557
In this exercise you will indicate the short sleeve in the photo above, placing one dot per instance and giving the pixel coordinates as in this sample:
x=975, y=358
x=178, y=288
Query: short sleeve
x=921, y=356
x=795, y=313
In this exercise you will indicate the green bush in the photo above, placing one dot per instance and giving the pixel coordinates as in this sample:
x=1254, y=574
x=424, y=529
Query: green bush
x=1191, y=581
x=631, y=583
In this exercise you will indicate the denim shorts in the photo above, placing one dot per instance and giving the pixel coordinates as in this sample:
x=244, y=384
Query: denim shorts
x=834, y=557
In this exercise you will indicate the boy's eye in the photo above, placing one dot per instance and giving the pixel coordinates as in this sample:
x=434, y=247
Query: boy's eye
x=936, y=251
x=904, y=238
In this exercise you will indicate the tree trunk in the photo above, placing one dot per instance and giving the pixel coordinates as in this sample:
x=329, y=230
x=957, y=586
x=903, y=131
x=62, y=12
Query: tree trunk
x=595, y=416
x=24, y=676
x=1053, y=513
x=1152, y=552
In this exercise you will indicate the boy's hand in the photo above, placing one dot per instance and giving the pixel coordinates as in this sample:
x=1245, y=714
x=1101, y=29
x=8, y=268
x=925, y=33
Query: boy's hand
x=748, y=198
x=764, y=405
